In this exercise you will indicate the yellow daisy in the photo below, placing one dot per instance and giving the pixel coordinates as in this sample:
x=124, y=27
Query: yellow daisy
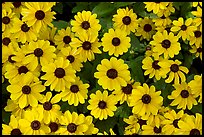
x=156, y=7
x=197, y=51
x=76, y=93
x=152, y=129
x=116, y=42
x=198, y=14
x=54, y=126
x=133, y=125
x=196, y=4
x=182, y=96
x=63, y=38
x=162, y=21
x=17, y=8
x=184, y=29
x=13, y=128
x=196, y=38
x=91, y=129
x=173, y=70
x=72, y=124
x=85, y=21
x=59, y=74
x=112, y=74
x=166, y=44
x=146, y=28
x=125, y=20
x=7, y=6
x=102, y=105
x=7, y=20
x=73, y=56
x=38, y=14
x=146, y=101
x=9, y=39
x=87, y=44
x=26, y=92
x=167, y=11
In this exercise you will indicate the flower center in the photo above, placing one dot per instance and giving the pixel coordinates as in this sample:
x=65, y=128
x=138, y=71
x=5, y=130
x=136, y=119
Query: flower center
x=157, y=130
x=47, y=106
x=25, y=28
x=67, y=39
x=53, y=126
x=155, y=65
x=16, y=131
x=40, y=15
x=10, y=60
x=166, y=43
x=70, y=58
x=199, y=50
x=112, y=73
x=126, y=20
x=175, y=123
x=22, y=69
x=6, y=41
x=59, y=72
x=16, y=4
x=102, y=104
x=38, y=52
x=163, y=17
x=74, y=88
x=174, y=68
x=6, y=20
x=197, y=34
x=183, y=27
x=85, y=25
x=146, y=98
x=127, y=89
x=86, y=45
x=116, y=41
x=194, y=132
x=142, y=122
x=26, y=89
x=147, y=27
x=184, y=94
x=35, y=125
x=72, y=127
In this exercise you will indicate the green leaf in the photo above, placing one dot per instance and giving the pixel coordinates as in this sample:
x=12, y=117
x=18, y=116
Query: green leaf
x=80, y=7
x=197, y=109
x=188, y=60
x=122, y=4
x=82, y=108
x=58, y=8
x=6, y=117
x=160, y=84
x=60, y=24
x=65, y=106
x=138, y=8
x=123, y=111
x=177, y=5
x=164, y=93
x=190, y=77
x=104, y=9
x=185, y=8
x=121, y=126
x=105, y=125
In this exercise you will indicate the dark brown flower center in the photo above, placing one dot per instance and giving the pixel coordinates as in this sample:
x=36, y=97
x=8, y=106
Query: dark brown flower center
x=174, y=68
x=197, y=34
x=47, y=106
x=6, y=20
x=38, y=52
x=10, y=60
x=35, y=125
x=53, y=126
x=126, y=20
x=199, y=50
x=16, y=4
x=175, y=123
x=74, y=88
x=142, y=122
x=184, y=94
x=127, y=89
x=39, y=15
x=22, y=69
x=157, y=130
x=146, y=99
x=86, y=45
x=112, y=73
x=155, y=65
x=25, y=28
x=72, y=127
x=59, y=72
x=163, y=17
x=26, y=89
x=67, y=39
x=166, y=43
x=183, y=27
x=16, y=131
x=102, y=104
x=194, y=132
x=70, y=58
x=85, y=25
x=147, y=27
x=116, y=41
x=6, y=41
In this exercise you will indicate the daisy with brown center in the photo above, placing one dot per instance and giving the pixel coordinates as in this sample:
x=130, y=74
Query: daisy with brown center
x=7, y=20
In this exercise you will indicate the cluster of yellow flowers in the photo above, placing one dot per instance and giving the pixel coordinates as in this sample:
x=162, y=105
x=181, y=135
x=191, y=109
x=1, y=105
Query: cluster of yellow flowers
x=41, y=64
